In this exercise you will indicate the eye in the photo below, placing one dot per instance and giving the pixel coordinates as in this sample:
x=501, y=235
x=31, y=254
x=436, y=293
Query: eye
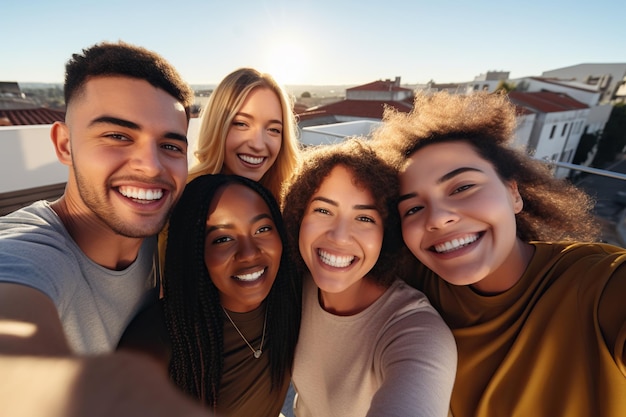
x=321, y=210
x=462, y=188
x=117, y=136
x=413, y=210
x=221, y=239
x=172, y=147
x=264, y=229
x=366, y=219
x=275, y=131
x=239, y=123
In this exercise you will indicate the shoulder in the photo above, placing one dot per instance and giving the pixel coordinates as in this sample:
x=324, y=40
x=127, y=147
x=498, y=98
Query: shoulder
x=410, y=311
x=35, y=249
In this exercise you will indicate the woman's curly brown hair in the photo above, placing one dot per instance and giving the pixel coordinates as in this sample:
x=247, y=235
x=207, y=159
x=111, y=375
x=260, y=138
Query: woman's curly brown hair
x=553, y=210
x=369, y=172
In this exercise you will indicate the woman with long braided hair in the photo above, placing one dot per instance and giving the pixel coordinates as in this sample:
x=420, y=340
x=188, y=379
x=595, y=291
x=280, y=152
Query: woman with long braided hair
x=228, y=323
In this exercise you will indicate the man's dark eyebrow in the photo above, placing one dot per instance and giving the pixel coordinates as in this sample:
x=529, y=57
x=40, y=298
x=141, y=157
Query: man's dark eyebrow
x=456, y=172
x=114, y=121
x=131, y=125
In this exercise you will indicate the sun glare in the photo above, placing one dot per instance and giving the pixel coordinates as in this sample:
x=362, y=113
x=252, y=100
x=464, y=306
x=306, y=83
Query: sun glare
x=287, y=62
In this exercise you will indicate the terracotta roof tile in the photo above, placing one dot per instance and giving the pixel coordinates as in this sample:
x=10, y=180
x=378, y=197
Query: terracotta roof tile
x=546, y=101
x=372, y=109
x=379, y=85
x=37, y=116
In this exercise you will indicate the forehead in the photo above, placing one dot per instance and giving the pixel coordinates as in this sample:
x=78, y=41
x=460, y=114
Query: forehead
x=262, y=98
x=239, y=200
x=442, y=155
x=340, y=181
x=125, y=98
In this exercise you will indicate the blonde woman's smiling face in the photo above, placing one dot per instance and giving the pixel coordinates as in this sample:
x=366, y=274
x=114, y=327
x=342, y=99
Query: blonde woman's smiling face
x=255, y=135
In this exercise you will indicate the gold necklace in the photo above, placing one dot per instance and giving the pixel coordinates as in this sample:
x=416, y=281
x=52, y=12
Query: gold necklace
x=255, y=352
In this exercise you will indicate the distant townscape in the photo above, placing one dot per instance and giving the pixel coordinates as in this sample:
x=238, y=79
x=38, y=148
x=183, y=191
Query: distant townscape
x=571, y=117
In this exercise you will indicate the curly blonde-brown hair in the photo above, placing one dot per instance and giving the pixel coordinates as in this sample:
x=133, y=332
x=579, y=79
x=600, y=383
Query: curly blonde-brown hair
x=369, y=172
x=553, y=210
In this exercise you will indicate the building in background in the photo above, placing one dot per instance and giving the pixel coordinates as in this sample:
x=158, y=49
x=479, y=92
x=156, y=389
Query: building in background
x=608, y=79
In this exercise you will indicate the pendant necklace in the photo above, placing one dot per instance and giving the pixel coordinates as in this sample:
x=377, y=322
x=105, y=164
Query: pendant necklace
x=255, y=352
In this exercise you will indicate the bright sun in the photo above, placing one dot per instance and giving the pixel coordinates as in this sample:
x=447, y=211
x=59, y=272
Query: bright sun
x=287, y=62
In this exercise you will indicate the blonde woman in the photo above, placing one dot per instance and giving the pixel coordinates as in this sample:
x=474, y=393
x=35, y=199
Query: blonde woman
x=247, y=128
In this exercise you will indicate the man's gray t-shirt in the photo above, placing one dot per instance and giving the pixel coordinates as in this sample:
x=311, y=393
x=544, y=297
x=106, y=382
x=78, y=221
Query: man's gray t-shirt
x=95, y=304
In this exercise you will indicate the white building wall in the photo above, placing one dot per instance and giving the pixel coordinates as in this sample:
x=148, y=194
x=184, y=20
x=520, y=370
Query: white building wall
x=588, y=96
x=568, y=128
x=28, y=158
x=597, y=118
x=336, y=132
x=523, y=131
x=378, y=95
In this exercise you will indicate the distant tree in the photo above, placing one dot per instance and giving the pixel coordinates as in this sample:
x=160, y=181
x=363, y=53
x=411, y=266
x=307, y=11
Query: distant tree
x=522, y=86
x=505, y=86
x=613, y=138
x=306, y=94
x=587, y=142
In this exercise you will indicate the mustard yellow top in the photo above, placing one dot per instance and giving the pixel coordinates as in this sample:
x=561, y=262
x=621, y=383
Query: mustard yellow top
x=552, y=345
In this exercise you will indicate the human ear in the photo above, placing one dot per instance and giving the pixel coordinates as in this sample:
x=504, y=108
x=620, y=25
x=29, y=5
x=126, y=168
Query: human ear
x=516, y=198
x=60, y=135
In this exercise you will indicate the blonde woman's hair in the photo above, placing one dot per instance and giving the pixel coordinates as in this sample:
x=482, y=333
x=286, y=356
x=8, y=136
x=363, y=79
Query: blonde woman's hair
x=216, y=118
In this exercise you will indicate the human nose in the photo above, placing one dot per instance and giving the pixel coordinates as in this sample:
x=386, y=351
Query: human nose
x=440, y=216
x=340, y=231
x=146, y=158
x=247, y=249
x=257, y=138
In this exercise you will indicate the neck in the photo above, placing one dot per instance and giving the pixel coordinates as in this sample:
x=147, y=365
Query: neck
x=352, y=300
x=98, y=242
x=509, y=274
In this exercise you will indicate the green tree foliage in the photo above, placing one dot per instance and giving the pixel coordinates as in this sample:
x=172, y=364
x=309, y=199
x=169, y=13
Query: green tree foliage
x=505, y=86
x=587, y=142
x=306, y=94
x=613, y=138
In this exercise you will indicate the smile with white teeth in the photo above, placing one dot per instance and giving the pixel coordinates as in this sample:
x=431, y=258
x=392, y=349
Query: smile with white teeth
x=455, y=244
x=251, y=276
x=141, y=193
x=334, y=260
x=251, y=159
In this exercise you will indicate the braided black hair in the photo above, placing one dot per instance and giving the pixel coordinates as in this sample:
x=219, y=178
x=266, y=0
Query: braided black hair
x=192, y=306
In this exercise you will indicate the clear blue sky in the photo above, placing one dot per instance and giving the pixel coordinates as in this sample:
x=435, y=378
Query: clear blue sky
x=319, y=42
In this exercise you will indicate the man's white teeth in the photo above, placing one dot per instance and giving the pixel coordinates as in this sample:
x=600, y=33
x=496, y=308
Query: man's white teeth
x=141, y=193
x=250, y=277
x=334, y=260
x=455, y=244
x=251, y=159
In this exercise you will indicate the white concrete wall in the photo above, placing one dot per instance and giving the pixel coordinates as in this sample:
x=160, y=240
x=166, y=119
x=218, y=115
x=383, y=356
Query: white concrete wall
x=587, y=95
x=28, y=159
x=562, y=146
x=336, y=132
x=523, y=130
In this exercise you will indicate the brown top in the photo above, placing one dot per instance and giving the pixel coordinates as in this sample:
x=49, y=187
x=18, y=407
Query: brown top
x=245, y=389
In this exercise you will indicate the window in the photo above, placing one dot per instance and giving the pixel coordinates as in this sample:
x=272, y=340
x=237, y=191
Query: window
x=552, y=132
x=564, y=129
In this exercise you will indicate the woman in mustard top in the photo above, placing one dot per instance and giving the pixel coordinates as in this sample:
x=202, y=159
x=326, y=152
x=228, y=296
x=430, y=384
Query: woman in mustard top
x=508, y=259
